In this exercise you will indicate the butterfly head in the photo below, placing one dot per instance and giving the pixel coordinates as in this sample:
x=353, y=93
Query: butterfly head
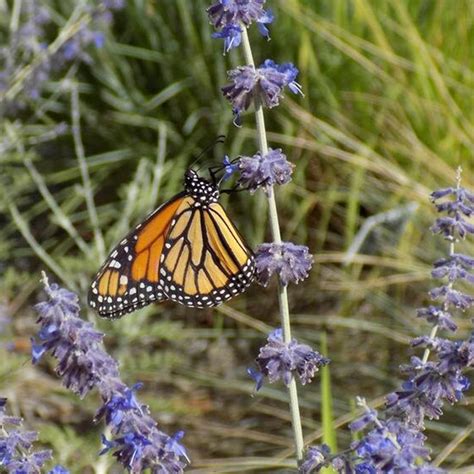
x=199, y=188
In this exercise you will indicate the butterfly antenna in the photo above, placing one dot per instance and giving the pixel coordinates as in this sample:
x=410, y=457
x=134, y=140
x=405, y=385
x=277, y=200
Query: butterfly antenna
x=219, y=139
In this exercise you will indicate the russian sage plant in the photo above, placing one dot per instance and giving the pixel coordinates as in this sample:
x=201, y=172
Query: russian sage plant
x=137, y=442
x=262, y=87
x=394, y=440
x=31, y=59
x=16, y=447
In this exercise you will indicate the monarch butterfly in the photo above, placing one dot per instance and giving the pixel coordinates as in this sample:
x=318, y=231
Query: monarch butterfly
x=187, y=251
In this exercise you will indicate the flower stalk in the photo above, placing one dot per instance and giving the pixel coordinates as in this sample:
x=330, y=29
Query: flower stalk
x=276, y=235
x=435, y=328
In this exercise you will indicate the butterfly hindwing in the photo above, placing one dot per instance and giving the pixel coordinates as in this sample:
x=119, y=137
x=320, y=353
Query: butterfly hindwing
x=205, y=260
x=129, y=278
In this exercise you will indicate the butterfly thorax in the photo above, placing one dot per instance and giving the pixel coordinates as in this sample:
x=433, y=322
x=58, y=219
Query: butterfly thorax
x=200, y=189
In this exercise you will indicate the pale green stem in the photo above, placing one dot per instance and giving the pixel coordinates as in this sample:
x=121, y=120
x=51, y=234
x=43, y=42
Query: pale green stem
x=15, y=16
x=276, y=235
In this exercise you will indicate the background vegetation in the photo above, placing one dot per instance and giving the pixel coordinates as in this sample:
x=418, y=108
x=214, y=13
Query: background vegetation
x=387, y=117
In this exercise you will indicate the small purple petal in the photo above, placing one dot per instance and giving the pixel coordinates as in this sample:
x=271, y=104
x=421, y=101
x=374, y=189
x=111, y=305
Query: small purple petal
x=257, y=377
x=232, y=36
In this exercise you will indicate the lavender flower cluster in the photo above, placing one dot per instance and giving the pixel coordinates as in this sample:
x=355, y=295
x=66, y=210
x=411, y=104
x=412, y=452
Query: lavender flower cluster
x=396, y=443
x=83, y=364
x=263, y=85
x=431, y=383
x=249, y=85
x=16, y=447
x=230, y=16
x=28, y=46
x=281, y=361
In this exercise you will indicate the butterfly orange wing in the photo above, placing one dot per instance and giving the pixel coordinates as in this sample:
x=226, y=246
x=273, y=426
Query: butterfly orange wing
x=129, y=279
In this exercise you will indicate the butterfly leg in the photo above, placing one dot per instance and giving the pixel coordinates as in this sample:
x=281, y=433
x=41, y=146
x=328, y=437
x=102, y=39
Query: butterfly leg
x=236, y=189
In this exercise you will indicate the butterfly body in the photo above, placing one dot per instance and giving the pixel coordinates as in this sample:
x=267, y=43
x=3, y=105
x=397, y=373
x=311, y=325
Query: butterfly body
x=187, y=251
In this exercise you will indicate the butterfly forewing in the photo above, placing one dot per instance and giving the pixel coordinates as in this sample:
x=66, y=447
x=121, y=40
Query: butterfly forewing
x=129, y=279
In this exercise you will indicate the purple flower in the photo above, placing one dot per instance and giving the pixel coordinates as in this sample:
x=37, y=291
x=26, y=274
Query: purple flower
x=230, y=167
x=291, y=262
x=455, y=355
x=257, y=377
x=437, y=316
x=232, y=36
x=279, y=360
x=115, y=409
x=455, y=267
x=265, y=170
x=16, y=446
x=369, y=417
x=452, y=297
x=228, y=12
x=392, y=447
x=262, y=85
x=315, y=458
x=83, y=363
x=263, y=21
x=429, y=385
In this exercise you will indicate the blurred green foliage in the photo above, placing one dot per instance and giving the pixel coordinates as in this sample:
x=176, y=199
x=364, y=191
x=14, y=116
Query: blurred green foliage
x=387, y=117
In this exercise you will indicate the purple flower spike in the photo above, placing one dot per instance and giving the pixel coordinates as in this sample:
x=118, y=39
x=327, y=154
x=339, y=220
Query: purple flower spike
x=291, y=262
x=137, y=442
x=265, y=170
x=263, y=85
x=227, y=12
x=73, y=341
x=278, y=360
x=16, y=446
